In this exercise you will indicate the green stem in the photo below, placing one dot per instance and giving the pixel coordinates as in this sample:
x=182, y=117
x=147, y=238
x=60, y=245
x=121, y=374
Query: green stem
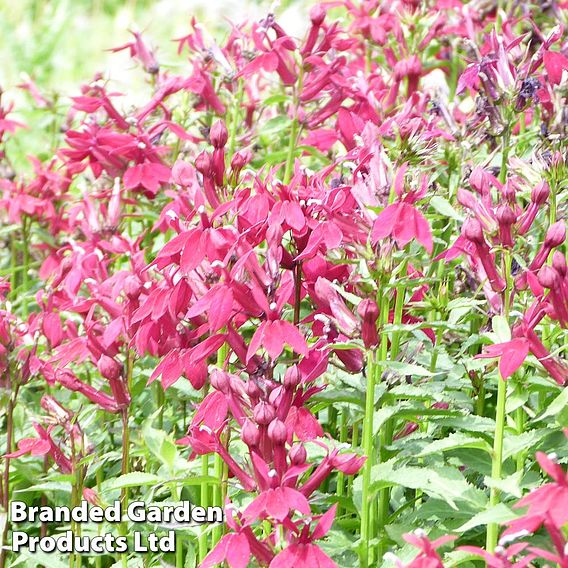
x=125, y=462
x=204, y=502
x=497, y=464
x=368, y=438
x=99, y=480
x=480, y=402
x=342, y=440
x=387, y=429
x=294, y=130
x=520, y=422
x=235, y=120
x=160, y=401
x=218, y=466
x=6, y=481
x=501, y=413
x=25, y=269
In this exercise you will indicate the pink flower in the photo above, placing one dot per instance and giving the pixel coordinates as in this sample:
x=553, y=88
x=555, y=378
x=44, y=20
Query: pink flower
x=402, y=220
x=511, y=354
x=277, y=504
x=233, y=549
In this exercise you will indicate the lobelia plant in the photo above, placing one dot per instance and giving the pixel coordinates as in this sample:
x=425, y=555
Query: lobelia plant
x=280, y=277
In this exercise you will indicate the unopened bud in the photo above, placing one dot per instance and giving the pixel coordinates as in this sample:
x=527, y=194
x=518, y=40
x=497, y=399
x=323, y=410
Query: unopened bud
x=369, y=313
x=220, y=381
x=292, y=378
x=540, y=193
x=240, y=159
x=298, y=454
x=264, y=413
x=250, y=434
x=472, y=230
x=317, y=15
x=556, y=234
x=277, y=432
x=252, y=389
x=548, y=277
x=505, y=215
x=559, y=263
x=132, y=287
x=203, y=163
x=479, y=180
x=218, y=135
x=109, y=368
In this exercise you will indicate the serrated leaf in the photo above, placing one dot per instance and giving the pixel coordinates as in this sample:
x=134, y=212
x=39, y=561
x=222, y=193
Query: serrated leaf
x=48, y=486
x=405, y=368
x=501, y=328
x=454, y=441
x=500, y=513
x=556, y=406
x=513, y=444
x=443, y=482
x=444, y=207
x=510, y=485
x=134, y=479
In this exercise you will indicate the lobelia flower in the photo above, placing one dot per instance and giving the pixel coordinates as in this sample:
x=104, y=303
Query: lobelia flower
x=139, y=50
x=401, y=220
x=427, y=557
x=545, y=504
x=302, y=552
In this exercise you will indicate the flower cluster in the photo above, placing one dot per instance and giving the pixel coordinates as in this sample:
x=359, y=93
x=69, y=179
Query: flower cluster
x=275, y=276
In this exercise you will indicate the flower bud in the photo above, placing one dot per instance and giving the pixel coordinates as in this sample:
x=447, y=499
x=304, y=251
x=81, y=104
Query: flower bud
x=540, y=193
x=298, y=454
x=555, y=235
x=264, y=413
x=109, y=368
x=559, y=263
x=292, y=378
x=277, y=432
x=220, y=381
x=471, y=230
x=548, y=277
x=479, y=180
x=317, y=15
x=218, y=135
x=132, y=287
x=240, y=159
x=250, y=434
x=506, y=217
x=203, y=163
x=252, y=389
x=91, y=496
x=369, y=313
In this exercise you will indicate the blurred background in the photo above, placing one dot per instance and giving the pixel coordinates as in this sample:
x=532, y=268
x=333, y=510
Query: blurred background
x=61, y=44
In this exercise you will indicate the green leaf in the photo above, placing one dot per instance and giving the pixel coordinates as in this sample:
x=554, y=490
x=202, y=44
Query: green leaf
x=513, y=445
x=159, y=443
x=454, y=441
x=133, y=479
x=48, y=486
x=38, y=558
x=500, y=513
x=406, y=368
x=442, y=482
x=445, y=208
x=510, y=485
x=501, y=328
x=556, y=406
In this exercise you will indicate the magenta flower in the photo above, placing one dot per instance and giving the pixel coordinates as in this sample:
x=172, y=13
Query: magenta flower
x=511, y=354
x=402, y=220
